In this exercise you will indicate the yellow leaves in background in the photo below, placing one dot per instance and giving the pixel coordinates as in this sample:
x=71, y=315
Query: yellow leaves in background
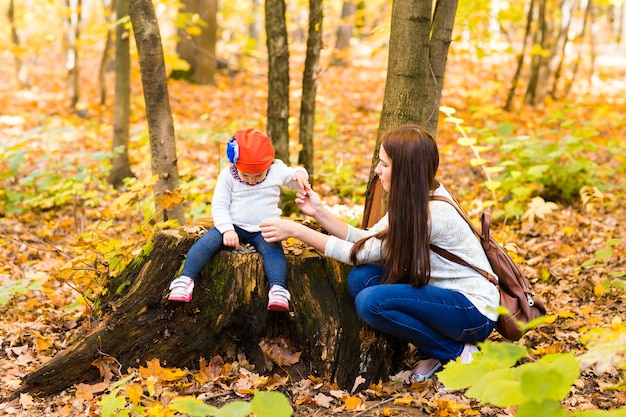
x=452, y=408
x=591, y=197
x=538, y=209
x=536, y=49
x=121, y=204
x=405, y=401
x=599, y=289
x=558, y=347
x=134, y=392
x=606, y=347
x=171, y=199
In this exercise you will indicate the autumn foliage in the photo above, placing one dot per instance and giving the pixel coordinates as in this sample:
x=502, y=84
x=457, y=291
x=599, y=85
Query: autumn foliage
x=554, y=174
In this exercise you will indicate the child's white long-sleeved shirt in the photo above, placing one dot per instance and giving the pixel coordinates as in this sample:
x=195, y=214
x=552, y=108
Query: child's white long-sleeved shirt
x=245, y=205
x=448, y=231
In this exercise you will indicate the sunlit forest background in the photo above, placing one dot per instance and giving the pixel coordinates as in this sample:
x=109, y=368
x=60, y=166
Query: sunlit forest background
x=548, y=160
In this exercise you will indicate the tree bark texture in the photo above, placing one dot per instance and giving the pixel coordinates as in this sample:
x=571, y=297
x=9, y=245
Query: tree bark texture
x=158, y=112
x=442, y=27
x=120, y=165
x=418, y=49
x=228, y=317
x=309, y=85
x=278, y=78
x=536, y=90
x=508, y=106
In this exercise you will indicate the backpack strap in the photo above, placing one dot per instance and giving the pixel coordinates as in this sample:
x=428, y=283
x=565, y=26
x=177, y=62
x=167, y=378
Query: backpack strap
x=486, y=221
x=461, y=212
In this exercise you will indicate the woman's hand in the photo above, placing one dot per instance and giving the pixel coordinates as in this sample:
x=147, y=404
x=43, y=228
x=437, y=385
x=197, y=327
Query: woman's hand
x=308, y=201
x=274, y=230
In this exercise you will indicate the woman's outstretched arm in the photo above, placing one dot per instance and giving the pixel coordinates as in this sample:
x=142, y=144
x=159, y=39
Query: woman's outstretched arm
x=311, y=204
x=274, y=230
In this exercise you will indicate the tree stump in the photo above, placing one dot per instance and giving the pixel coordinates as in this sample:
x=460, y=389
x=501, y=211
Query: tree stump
x=228, y=316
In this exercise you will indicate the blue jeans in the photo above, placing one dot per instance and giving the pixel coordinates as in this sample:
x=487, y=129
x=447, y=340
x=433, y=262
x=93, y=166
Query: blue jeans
x=439, y=322
x=201, y=252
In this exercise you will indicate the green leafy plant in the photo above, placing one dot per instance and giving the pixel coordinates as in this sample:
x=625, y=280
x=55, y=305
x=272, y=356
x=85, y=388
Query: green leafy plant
x=54, y=183
x=263, y=404
x=553, y=170
x=601, y=259
x=552, y=165
x=537, y=387
x=10, y=288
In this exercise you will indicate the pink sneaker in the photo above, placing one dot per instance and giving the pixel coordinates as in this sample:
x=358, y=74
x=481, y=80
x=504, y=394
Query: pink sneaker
x=181, y=289
x=278, y=299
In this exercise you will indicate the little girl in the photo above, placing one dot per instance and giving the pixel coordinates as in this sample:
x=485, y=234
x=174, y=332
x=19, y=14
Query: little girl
x=247, y=192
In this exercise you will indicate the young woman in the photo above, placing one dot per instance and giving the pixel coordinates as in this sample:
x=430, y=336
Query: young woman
x=399, y=285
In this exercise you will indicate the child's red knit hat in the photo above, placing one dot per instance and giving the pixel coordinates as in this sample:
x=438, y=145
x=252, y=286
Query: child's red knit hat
x=251, y=151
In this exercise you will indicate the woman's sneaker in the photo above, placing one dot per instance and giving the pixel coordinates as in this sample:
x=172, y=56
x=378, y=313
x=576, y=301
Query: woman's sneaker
x=466, y=354
x=278, y=299
x=181, y=289
x=432, y=366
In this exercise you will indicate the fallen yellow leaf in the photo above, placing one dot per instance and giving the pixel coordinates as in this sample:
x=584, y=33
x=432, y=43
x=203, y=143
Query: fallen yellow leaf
x=352, y=403
x=598, y=290
x=403, y=401
x=134, y=393
x=164, y=374
x=42, y=342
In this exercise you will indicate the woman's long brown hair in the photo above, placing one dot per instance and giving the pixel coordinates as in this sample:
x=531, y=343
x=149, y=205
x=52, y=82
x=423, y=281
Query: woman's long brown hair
x=414, y=163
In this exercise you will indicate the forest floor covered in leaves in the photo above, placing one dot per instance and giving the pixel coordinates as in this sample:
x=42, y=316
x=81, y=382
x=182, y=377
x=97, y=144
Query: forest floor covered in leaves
x=563, y=249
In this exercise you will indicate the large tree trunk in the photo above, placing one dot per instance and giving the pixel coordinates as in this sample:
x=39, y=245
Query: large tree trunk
x=227, y=317
x=158, y=112
x=278, y=78
x=309, y=85
x=418, y=52
x=120, y=164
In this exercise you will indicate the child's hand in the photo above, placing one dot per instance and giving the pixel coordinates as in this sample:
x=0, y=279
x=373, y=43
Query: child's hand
x=302, y=179
x=230, y=238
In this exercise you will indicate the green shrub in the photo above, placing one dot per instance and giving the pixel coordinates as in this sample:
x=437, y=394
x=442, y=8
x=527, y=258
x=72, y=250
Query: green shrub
x=552, y=164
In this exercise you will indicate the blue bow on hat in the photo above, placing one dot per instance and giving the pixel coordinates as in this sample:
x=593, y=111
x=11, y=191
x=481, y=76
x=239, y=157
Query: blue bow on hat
x=232, y=150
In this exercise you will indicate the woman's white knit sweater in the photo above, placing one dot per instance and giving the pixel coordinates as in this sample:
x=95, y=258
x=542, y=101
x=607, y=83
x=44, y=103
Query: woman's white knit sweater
x=448, y=231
